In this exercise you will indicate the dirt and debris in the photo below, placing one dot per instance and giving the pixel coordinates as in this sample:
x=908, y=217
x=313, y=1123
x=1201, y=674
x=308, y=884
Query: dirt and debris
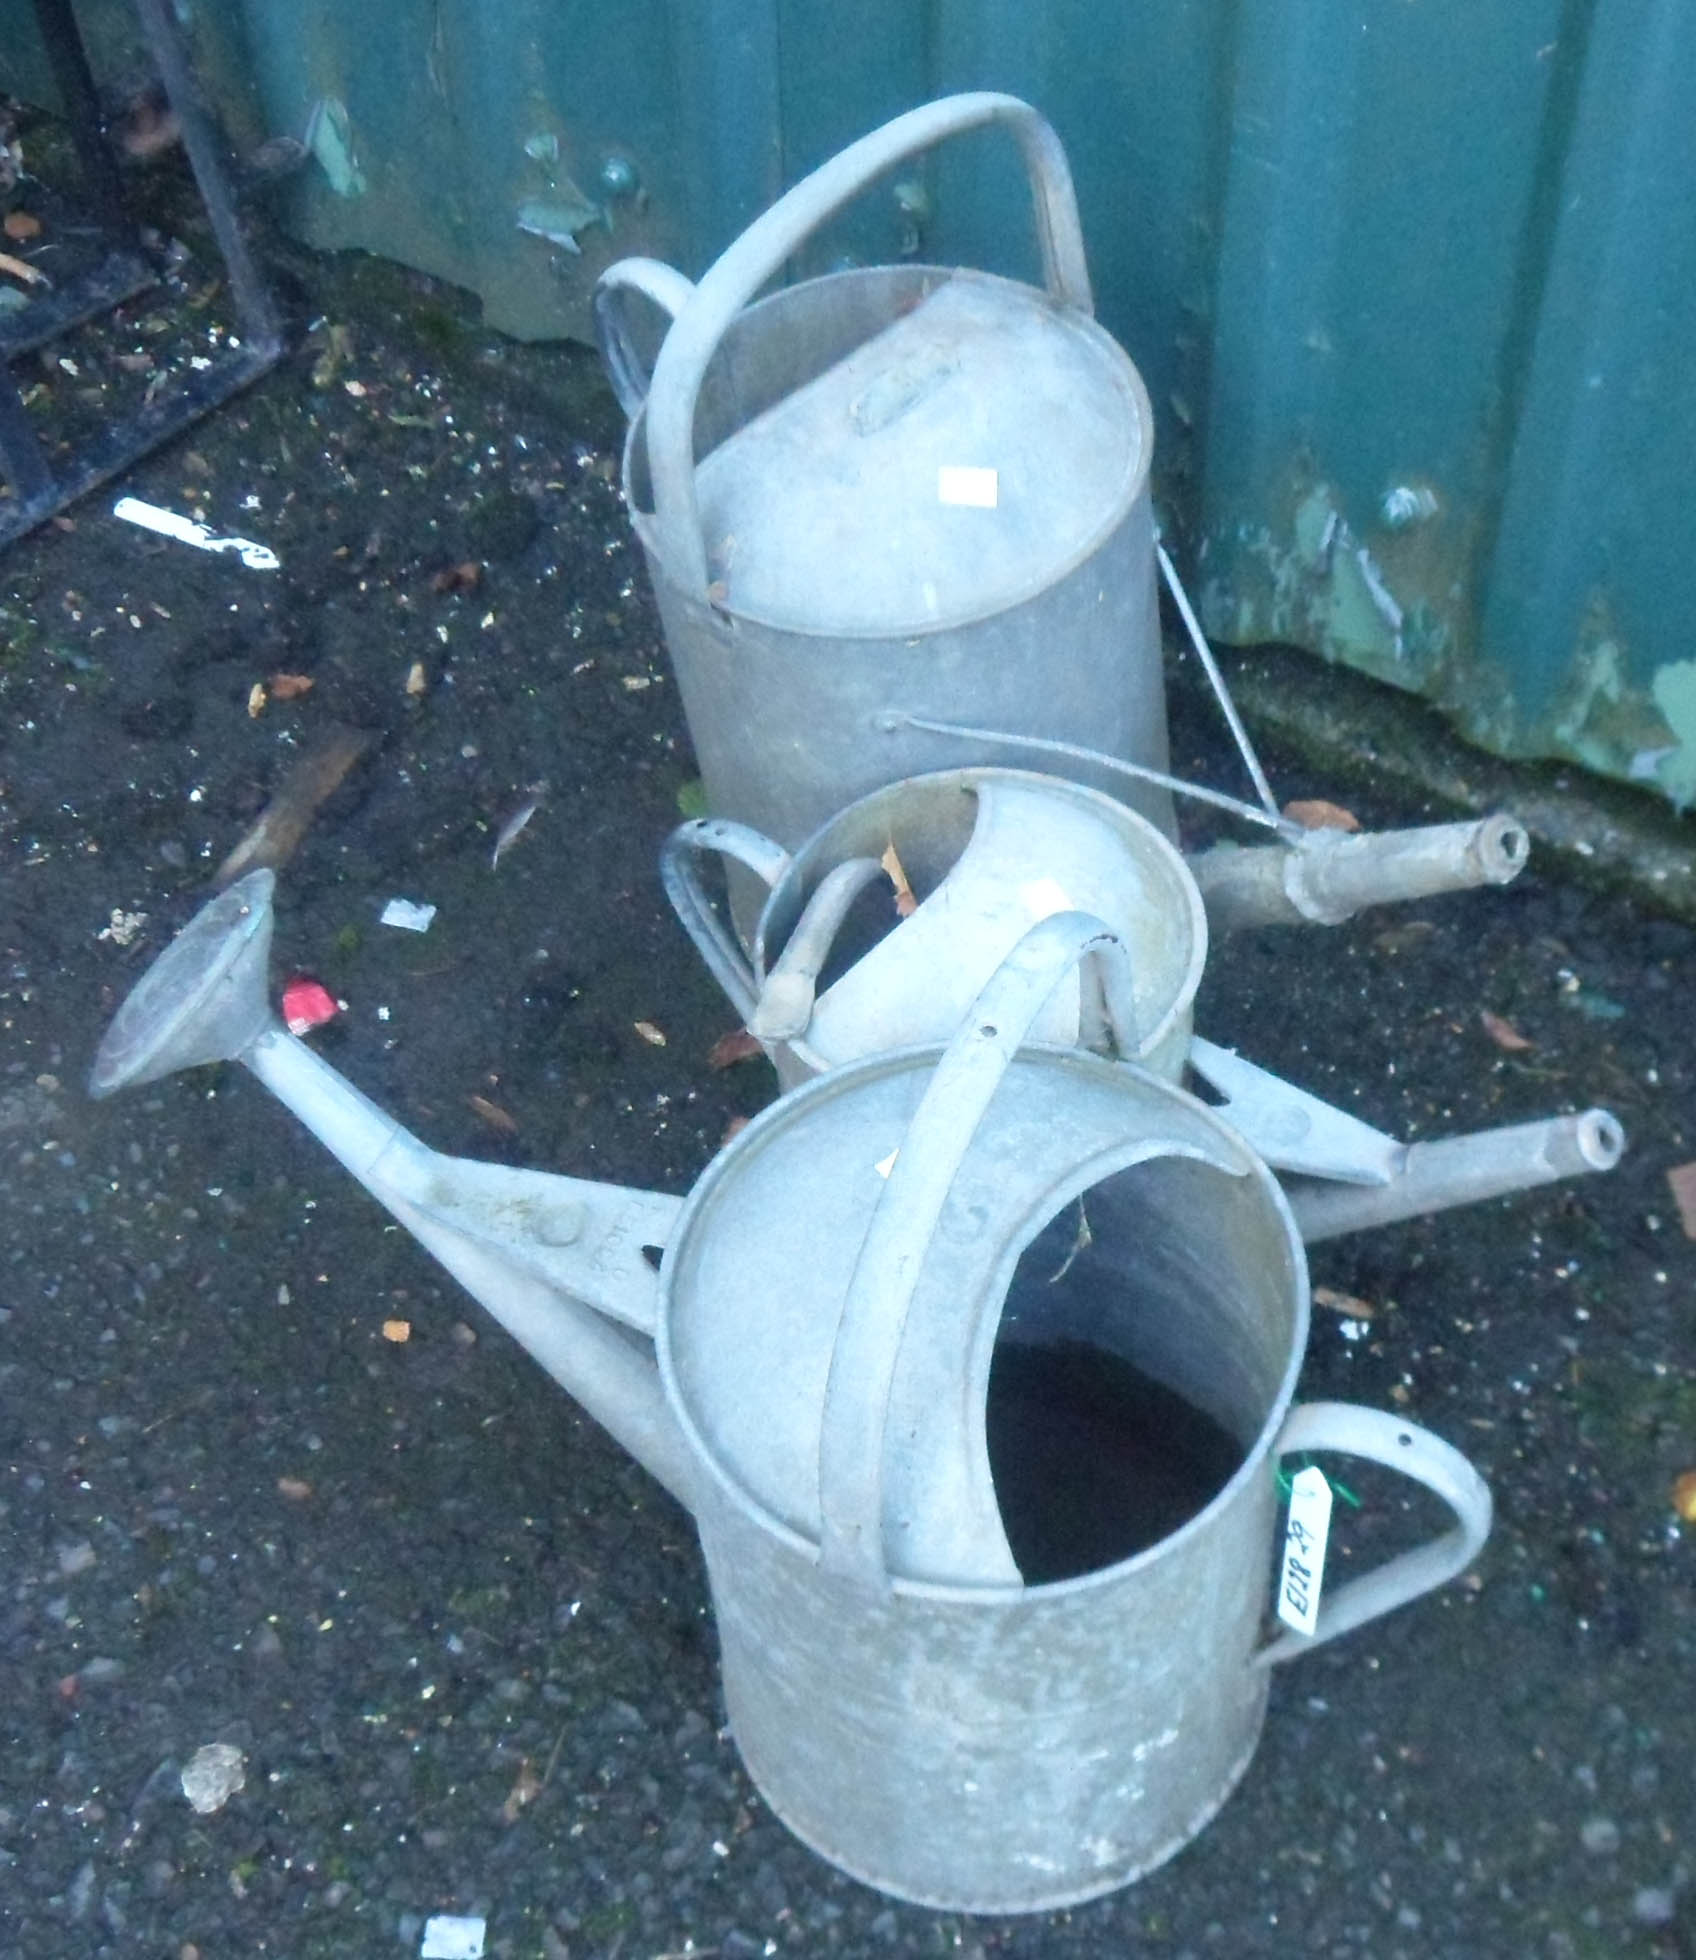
x=390, y=1575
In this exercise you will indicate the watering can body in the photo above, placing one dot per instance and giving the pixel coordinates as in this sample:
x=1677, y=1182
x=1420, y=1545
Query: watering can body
x=896, y=487
x=842, y=966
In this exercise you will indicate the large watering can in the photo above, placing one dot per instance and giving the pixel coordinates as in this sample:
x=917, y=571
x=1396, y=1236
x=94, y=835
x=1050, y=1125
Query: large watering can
x=837, y=971
x=974, y=1366
x=903, y=486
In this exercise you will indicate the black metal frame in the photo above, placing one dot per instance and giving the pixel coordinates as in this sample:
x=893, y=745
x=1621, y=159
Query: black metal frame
x=38, y=487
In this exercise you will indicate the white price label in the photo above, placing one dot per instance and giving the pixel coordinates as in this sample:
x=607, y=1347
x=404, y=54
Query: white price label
x=961, y=483
x=1304, y=1550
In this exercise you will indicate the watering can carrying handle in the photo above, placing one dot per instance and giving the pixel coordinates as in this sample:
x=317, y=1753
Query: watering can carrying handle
x=775, y=237
x=654, y=280
x=886, y=1274
x=1404, y=1446
x=714, y=941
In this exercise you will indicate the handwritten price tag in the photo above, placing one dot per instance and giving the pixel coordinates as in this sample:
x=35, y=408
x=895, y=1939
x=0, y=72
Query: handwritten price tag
x=1304, y=1550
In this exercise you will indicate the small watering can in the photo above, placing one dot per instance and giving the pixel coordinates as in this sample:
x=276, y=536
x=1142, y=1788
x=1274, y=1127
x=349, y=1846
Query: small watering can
x=837, y=972
x=893, y=1355
x=901, y=486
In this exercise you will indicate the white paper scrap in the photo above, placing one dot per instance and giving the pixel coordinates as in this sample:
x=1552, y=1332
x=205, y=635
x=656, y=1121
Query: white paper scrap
x=408, y=914
x=168, y=524
x=963, y=483
x=1304, y=1550
x=447, y=1936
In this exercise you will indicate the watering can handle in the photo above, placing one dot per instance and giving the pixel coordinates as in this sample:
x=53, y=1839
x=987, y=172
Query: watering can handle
x=1383, y=1438
x=654, y=280
x=696, y=913
x=777, y=234
x=886, y=1274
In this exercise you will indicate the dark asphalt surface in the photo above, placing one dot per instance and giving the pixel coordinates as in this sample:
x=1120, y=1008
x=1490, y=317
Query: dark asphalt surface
x=462, y=1646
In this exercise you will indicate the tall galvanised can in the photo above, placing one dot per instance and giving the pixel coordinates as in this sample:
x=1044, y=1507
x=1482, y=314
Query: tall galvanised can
x=888, y=493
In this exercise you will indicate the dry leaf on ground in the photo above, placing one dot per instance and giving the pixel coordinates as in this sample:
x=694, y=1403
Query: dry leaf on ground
x=1684, y=1496
x=654, y=1037
x=526, y=1788
x=1503, y=1032
x=283, y=823
x=463, y=577
x=737, y=1046
x=397, y=1330
x=1314, y=813
x=1348, y=1304
x=1682, y=1180
x=19, y=270
x=492, y=1114
x=905, y=903
x=22, y=224
x=285, y=687
x=296, y=1489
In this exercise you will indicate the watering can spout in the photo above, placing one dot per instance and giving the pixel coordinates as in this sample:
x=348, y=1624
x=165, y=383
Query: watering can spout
x=1327, y=876
x=562, y=1263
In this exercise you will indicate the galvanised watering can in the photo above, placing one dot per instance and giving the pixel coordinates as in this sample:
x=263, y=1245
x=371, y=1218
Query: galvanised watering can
x=840, y=1368
x=903, y=486
x=836, y=972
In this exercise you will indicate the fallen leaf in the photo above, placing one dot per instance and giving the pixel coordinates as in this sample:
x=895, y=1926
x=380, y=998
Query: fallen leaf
x=1404, y=937
x=296, y=1489
x=256, y=699
x=737, y=1046
x=905, y=903
x=1684, y=1496
x=338, y=351
x=1503, y=1033
x=397, y=1330
x=1348, y=1304
x=416, y=679
x=288, y=687
x=649, y=1033
x=273, y=840
x=526, y=1788
x=1682, y=1179
x=492, y=1114
x=19, y=270
x=1314, y=813
x=20, y=225
x=463, y=577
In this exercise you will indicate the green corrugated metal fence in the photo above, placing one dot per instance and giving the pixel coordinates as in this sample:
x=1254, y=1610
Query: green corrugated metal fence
x=1412, y=281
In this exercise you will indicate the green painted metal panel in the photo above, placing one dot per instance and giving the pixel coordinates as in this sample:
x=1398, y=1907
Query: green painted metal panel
x=1411, y=281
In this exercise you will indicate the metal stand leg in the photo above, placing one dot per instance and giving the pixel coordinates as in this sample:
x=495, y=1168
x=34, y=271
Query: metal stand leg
x=37, y=486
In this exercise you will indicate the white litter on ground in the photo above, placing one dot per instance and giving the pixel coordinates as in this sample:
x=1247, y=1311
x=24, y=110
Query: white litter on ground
x=169, y=524
x=408, y=914
x=212, y=1776
x=450, y=1937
